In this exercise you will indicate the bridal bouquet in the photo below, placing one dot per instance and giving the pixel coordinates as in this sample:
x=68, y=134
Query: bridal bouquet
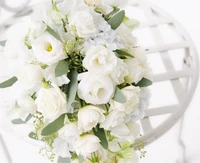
x=80, y=81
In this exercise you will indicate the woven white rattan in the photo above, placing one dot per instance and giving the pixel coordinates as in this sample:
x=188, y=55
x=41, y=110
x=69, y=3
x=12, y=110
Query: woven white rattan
x=182, y=81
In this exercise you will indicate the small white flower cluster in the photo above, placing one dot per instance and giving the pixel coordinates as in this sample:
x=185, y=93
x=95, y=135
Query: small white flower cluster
x=81, y=80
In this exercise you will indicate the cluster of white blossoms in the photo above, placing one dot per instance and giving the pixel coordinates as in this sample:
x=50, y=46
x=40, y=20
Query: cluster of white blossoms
x=80, y=81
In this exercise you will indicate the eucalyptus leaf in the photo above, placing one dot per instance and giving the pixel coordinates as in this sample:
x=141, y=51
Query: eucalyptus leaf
x=119, y=96
x=3, y=43
x=100, y=133
x=72, y=87
x=80, y=158
x=143, y=83
x=8, y=82
x=123, y=53
x=20, y=121
x=53, y=33
x=61, y=68
x=116, y=20
x=33, y=135
x=54, y=126
x=63, y=160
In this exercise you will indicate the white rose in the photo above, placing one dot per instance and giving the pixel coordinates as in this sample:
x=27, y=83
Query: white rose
x=29, y=75
x=86, y=145
x=100, y=60
x=120, y=72
x=51, y=102
x=92, y=2
x=126, y=36
x=83, y=21
x=96, y=89
x=48, y=49
x=113, y=119
x=132, y=95
x=136, y=72
x=89, y=116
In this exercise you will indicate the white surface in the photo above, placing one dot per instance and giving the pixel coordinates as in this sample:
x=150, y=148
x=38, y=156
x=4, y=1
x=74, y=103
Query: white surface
x=166, y=149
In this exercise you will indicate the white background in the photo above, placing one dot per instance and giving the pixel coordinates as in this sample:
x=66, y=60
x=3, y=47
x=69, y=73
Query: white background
x=166, y=149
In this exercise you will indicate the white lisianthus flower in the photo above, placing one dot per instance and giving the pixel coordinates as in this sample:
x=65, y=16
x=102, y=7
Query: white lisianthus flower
x=84, y=24
x=113, y=119
x=89, y=116
x=100, y=60
x=132, y=95
x=130, y=23
x=128, y=132
x=86, y=145
x=96, y=89
x=69, y=133
x=51, y=102
x=49, y=75
x=23, y=106
x=61, y=148
x=92, y=2
x=47, y=49
x=130, y=156
x=30, y=75
x=120, y=72
x=136, y=72
x=126, y=36
x=67, y=6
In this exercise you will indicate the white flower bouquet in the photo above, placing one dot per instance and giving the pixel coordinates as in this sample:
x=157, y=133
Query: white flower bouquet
x=80, y=81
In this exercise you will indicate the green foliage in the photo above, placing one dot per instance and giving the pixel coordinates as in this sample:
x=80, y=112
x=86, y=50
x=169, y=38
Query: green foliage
x=63, y=160
x=33, y=135
x=143, y=83
x=122, y=53
x=72, y=87
x=62, y=68
x=8, y=82
x=116, y=20
x=54, y=126
x=100, y=133
x=3, y=43
x=53, y=33
x=119, y=96
x=20, y=121
x=108, y=16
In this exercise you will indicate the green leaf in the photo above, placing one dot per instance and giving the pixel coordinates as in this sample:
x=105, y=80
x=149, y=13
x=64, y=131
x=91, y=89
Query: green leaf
x=80, y=158
x=143, y=83
x=123, y=53
x=33, y=135
x=54, y=126
x=63, y=160
x=62, y=68
x=100, y=133
x=112, y=13
x=116, y=20
x=3, y=43
x=8, y=82
x=119, y=96
x=53, y=33
x=20, y=121
x=72, y=87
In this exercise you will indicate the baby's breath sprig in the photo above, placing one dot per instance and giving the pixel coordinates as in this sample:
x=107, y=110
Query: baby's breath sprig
x=139, y=145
